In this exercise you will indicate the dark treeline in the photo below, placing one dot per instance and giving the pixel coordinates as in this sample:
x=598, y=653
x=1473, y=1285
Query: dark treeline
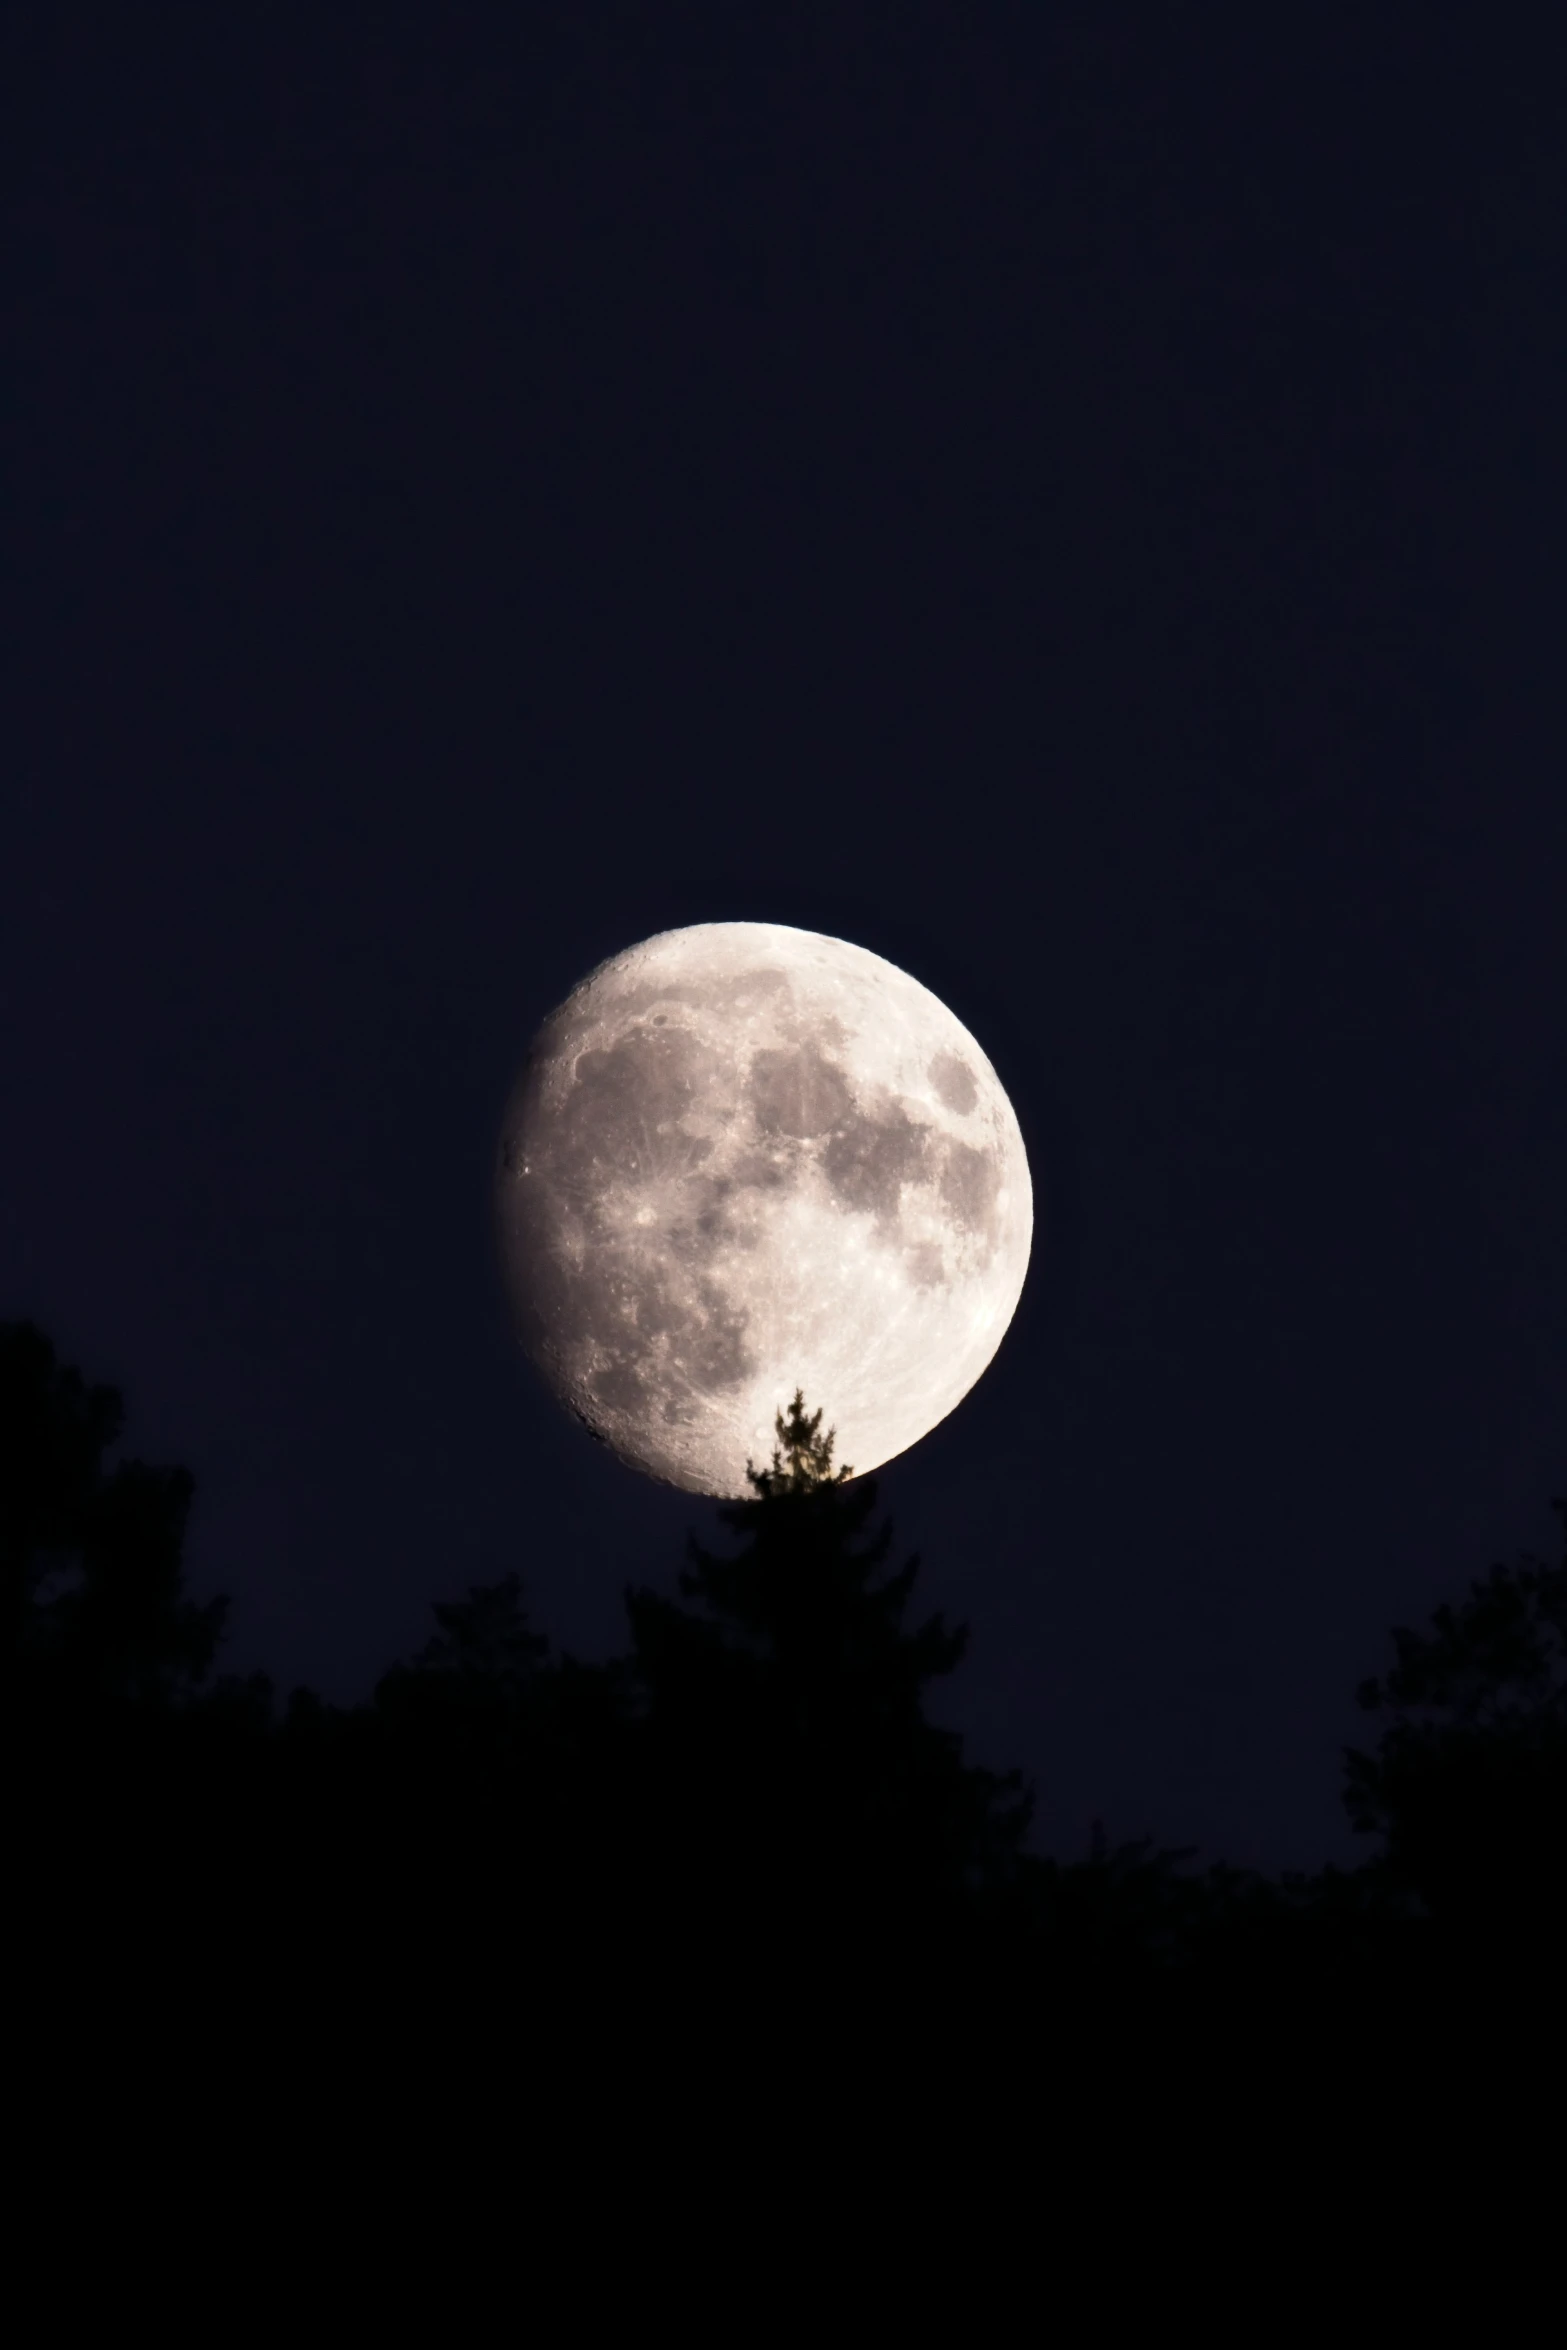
x=749, y=1800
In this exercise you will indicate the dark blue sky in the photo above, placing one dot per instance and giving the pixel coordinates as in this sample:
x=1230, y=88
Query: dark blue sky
x=1071, y=500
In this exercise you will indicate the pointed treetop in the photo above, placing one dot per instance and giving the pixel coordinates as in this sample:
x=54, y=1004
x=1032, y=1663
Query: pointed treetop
x=802, y=1456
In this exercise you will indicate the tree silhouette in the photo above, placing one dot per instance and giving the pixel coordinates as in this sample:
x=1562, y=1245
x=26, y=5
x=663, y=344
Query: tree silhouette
x=91, y=1564
x=474, y=1684
x=136, y=1779
x=750, y=1809
x=1467, y=1786
x=508, y=1760
x=784, y=1718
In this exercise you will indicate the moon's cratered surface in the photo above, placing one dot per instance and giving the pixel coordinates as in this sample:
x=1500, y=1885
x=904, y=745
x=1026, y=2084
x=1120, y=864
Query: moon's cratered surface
x=743, y=1159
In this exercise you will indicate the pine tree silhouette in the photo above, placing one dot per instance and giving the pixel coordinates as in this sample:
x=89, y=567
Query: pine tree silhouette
x=785, y=1713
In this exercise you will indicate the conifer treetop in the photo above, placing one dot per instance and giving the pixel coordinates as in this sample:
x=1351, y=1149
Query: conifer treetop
x=802, y=1456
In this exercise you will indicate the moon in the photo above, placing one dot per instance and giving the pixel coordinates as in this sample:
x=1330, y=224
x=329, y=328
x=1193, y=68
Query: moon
x=742, y=1159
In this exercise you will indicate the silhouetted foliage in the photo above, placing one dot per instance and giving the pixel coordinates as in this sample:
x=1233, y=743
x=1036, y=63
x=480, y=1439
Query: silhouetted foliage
x=137, y=1780
x=803, y=1789
x=750, y=1811
x=1467, y=1786
x=90, y=1557
x=502, y=1768
x=477, y=1680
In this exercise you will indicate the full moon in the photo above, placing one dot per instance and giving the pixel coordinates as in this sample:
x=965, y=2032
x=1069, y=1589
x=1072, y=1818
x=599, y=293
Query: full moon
x=742, y=1159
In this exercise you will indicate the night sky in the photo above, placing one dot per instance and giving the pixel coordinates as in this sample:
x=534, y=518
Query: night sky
x=1068, y=499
